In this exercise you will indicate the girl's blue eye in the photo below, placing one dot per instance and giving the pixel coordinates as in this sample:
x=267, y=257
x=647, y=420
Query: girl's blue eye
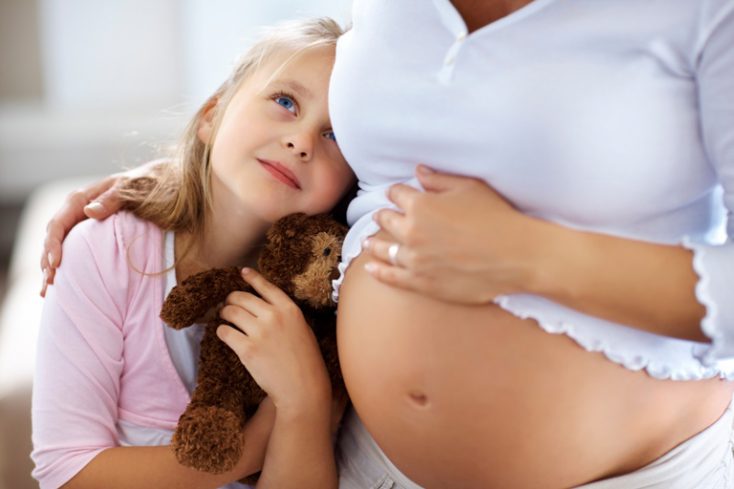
x=330, y=135
x=286, y=102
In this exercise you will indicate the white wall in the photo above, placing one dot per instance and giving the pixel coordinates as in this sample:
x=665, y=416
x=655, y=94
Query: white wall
x=121, y=75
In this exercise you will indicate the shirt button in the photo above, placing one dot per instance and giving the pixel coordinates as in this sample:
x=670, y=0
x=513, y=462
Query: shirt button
x=461, y=37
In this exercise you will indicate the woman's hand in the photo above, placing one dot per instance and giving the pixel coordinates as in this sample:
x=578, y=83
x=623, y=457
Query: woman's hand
x=277, y=346
x=459, y=241
x=98, y=201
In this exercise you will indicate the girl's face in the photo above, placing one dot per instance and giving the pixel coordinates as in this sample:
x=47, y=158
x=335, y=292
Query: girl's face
x=274, y=152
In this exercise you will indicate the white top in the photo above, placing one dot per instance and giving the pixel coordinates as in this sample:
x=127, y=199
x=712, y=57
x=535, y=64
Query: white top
x=183, y=347
x=613, y=116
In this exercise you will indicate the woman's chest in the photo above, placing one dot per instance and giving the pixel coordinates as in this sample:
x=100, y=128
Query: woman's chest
x=553, y=119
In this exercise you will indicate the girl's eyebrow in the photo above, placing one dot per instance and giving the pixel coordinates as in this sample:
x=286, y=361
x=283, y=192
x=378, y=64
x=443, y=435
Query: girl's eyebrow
x=297, y=87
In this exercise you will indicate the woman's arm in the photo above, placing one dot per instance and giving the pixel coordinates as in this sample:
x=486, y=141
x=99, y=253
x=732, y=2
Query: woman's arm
x=462, y=242
x=97, y=201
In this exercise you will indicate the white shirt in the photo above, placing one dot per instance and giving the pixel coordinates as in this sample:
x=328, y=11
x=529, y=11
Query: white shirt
x=183, y=347
x=613, y=116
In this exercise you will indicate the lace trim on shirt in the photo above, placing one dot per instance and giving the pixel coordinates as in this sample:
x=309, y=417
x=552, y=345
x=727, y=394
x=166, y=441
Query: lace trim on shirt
x=705, y=297
x=630, y=361
x=369, y=230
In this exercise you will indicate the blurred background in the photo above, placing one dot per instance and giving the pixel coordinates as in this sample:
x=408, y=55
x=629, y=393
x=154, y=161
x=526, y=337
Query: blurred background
x=88, y=87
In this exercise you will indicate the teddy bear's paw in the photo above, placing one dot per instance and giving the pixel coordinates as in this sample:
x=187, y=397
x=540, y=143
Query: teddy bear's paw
x=209, y=439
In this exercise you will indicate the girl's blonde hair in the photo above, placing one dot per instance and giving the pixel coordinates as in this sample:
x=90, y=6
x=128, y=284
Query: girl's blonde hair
x=176, y=196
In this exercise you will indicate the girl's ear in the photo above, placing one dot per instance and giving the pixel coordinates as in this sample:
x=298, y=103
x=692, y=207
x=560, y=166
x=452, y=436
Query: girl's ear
x=206, y=121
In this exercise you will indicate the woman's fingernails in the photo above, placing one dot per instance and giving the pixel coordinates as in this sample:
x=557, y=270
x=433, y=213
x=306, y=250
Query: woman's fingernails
x=425, y=170
x=366, y=242
x=246, y=271
x=371, y=267
x=94, y=206
x=51, y=261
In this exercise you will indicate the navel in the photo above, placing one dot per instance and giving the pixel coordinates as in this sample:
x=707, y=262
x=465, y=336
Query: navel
x=418, y=398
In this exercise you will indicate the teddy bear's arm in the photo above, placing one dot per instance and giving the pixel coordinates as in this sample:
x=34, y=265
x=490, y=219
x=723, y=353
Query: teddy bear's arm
x=194, y=297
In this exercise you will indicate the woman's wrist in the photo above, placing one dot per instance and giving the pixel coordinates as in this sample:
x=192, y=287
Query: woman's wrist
x=552, y=263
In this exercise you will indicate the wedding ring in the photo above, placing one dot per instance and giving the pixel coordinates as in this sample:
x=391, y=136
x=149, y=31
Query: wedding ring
x=392, y=253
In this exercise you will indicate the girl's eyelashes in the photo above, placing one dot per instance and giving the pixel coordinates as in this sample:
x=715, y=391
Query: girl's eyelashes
x=289, y=103
x=286, y=100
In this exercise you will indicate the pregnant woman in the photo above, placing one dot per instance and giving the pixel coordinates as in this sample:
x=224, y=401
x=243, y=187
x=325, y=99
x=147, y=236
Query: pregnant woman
x=563, y=318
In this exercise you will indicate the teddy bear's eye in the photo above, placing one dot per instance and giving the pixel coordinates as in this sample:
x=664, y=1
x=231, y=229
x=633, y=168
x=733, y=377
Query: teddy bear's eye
x=327, y=251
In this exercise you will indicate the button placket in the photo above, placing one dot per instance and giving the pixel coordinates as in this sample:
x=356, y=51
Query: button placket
x=450, y=58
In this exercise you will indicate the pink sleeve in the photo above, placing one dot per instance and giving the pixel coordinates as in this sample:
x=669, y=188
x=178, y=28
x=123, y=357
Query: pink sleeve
x=80, y=354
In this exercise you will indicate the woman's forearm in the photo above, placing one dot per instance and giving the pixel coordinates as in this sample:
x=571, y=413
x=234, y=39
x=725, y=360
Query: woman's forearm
x=300, y=453
x=644, y=285
x=136, y=467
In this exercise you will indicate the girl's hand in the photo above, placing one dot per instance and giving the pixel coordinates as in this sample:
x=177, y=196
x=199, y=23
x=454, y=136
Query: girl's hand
x=460, y=241
x=98, y=201
x=277, y=346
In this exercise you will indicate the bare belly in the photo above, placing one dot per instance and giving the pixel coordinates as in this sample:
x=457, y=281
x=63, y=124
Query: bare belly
x=474, y=397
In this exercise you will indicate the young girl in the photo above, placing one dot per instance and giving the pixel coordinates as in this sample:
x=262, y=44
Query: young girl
x=112, y=379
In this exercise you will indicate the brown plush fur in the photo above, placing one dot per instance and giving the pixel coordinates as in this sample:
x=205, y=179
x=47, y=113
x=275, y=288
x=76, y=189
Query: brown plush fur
x=301, y=255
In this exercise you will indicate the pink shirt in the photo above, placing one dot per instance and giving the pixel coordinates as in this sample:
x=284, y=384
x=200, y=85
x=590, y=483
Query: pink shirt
x=102, y=355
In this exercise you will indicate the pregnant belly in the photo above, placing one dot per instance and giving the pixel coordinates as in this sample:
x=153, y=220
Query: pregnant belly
x=473, y=397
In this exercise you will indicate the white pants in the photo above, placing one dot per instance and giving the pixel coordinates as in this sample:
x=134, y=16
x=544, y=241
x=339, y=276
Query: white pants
x=702, y=462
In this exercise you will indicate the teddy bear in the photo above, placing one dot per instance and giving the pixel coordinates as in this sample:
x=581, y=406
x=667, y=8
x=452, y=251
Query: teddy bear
x=300, y=256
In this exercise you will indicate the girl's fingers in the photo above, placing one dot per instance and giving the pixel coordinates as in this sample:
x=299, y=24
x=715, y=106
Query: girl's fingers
x=242, y=319
x=238, y=342
x=251, y=303
x=267, y=290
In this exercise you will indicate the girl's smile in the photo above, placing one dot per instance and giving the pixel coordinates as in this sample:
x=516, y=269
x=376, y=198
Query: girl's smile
x=280, y=172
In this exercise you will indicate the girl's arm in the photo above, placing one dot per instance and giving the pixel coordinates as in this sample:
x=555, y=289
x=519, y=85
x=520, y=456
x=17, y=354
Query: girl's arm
x=280, y=351
x=136, y=467
x=80, y=360
x=462, y=242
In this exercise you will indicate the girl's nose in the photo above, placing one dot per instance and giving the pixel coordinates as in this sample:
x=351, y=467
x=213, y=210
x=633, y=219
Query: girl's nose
x=301, y=145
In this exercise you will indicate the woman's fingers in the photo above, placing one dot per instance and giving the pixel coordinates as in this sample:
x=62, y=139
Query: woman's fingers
x=393, y=222
x=403, y=195
x=389, y=252
x=105, y=199
x=398, y=277
x=434, y=181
